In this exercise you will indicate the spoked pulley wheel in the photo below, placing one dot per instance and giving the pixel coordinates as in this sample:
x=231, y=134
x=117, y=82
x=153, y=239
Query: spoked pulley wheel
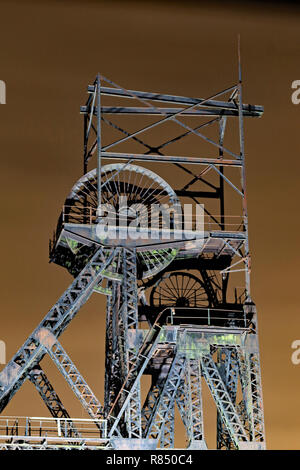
x=137, y=186
x=179, y=289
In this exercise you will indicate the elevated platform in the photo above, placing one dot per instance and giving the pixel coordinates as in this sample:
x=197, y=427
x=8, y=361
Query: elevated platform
x=75, y=242
x=52, y=433
x=233, y=317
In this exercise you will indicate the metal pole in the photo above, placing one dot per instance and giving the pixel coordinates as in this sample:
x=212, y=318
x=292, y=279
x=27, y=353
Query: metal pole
x=222, y=125
x=85, y=140
x=243, y=174
x=98, y=106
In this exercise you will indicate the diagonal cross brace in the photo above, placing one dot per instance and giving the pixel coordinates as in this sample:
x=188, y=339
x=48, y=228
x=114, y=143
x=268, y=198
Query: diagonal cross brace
x=71, y=374
x=228, y=368
x=39, y=379
x=135, y=372
x=189, y=401
x=167, y=432
x=56, y=320
x=223, y=401
x=166, y=399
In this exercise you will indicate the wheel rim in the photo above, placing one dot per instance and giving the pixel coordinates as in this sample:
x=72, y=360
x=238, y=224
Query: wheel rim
x=140, y=186
x=179, y=289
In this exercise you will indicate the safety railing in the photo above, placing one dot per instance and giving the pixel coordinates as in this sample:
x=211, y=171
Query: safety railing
x=210, y=222
x=208, y=317
x=52, y=428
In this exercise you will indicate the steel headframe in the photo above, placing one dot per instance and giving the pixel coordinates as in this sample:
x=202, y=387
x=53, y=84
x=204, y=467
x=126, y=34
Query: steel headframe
x=179, y=357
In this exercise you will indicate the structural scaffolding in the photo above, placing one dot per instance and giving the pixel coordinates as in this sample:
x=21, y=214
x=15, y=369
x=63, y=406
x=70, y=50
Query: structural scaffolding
x=175, y=308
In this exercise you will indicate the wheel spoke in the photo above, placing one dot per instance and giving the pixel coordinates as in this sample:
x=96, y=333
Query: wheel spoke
x=142, y=187
x=179, y=289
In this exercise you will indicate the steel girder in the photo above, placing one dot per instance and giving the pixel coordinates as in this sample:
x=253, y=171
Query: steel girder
x=167, y=433
x=130, y=321
x=133, y=377
x=151, y=406
x=126, y=355
x=189, y=401
x=164, y=402
x=113, y=377
x=252, y=404
x=39, y=379
x=223, y=401
x=253, y=110
x=122, y=349
x=55, y=322
x=72, y=376
x=228, y=368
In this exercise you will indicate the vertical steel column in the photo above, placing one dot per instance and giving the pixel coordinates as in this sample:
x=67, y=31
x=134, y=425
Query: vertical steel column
x=85, y=141
x=228, y=368
x=222, y=128
x=108, y=399
x=167, y=430
x=98, y=107
x=223, y=401
x=252, y=407
x=192, y=389
x=166, y=400
x=113, y=375
x=243, y=176
x=130, y=319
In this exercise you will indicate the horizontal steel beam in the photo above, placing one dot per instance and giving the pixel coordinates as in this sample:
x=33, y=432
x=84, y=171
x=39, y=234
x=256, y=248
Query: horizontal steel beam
x=252, y=109
x=168, y=111
x=193, y=194
x=172, y=159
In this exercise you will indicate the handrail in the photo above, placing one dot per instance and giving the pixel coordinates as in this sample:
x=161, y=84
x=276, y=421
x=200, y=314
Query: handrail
x=210, y=319
x=57, y=427
x=88, y=215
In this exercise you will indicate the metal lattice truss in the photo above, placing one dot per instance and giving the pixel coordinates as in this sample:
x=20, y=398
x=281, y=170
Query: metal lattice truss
x=189, y=401
x=180, y=357
x=41, y=382
x=52, y=326
x=39, y=379
x=73, y=377
x=162, y=416
x=228, y=369
x=249, y=366
x=212, y=115
x=238, y=426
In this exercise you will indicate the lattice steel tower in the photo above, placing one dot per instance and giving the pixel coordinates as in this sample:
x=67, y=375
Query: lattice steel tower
x=176, y=310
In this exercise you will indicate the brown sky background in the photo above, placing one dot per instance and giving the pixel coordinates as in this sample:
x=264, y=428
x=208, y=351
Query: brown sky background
x=50, y=52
